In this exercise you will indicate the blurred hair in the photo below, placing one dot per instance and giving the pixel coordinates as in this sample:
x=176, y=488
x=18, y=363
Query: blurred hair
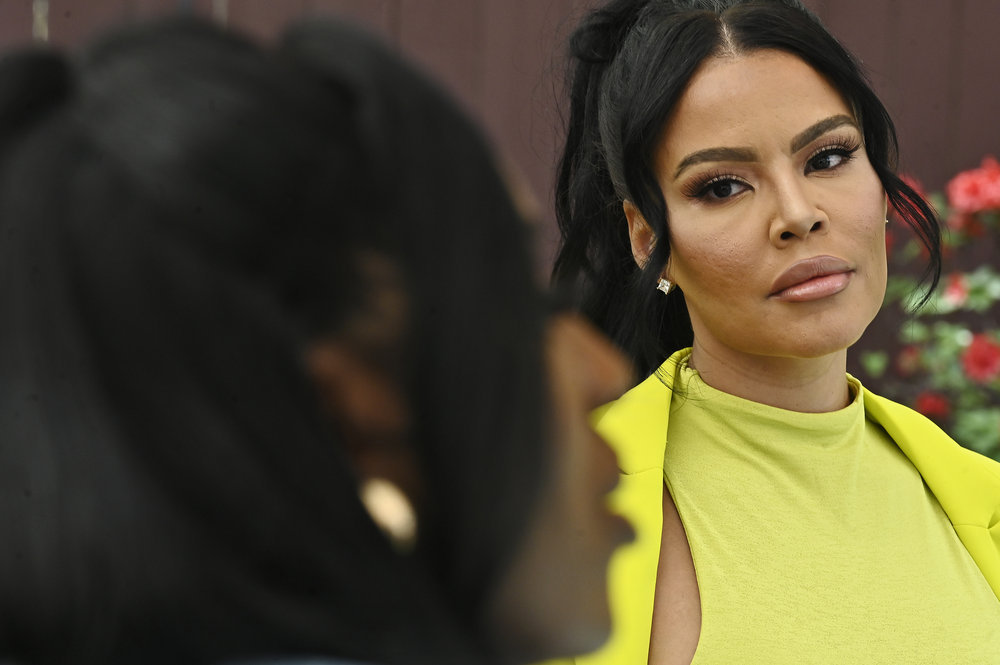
x=182, y=213
x=631, y=62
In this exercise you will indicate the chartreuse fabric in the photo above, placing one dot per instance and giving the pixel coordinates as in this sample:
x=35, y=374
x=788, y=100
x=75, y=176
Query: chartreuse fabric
x=864, y=535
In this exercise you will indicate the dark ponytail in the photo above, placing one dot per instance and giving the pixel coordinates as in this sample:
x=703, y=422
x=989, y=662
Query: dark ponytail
x=607, y=160
x=631, y=62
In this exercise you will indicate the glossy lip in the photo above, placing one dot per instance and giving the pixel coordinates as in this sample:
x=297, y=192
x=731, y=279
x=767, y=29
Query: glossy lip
x=810, y=279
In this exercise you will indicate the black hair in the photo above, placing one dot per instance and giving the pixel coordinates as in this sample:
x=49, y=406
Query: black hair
x=182, y=214
x=631, y=61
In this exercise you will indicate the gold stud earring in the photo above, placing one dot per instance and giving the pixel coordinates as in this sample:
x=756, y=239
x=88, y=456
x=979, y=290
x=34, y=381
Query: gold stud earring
x=665, y=285
x=391, y=511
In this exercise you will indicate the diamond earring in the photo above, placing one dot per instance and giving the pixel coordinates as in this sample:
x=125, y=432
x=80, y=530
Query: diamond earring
x=665, y=285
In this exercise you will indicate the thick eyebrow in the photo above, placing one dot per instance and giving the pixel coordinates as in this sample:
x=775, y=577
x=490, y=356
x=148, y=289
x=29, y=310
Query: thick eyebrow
x=716, y=155
x=804, y=138
x=801, y=140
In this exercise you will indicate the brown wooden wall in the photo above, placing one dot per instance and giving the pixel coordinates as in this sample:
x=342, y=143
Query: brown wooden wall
x=936, y=63
x=936, y=66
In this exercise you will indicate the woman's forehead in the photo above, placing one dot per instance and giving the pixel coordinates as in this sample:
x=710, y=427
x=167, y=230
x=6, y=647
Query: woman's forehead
x=748, y=98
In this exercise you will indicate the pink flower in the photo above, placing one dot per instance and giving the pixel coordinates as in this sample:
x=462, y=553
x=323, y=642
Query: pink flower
x=933, y=405
x=981, y=360
x=957, y=291
x=976, y=190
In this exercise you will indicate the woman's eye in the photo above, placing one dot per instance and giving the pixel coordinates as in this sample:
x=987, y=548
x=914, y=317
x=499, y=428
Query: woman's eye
x=828, y=159
x=721, y=189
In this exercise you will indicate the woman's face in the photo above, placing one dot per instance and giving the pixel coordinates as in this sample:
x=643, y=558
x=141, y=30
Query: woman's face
x=777, y=219
x=553, y=600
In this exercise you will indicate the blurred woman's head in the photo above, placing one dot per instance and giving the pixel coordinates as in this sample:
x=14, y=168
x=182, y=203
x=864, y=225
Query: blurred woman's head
x=634, y=62
x=235, y=284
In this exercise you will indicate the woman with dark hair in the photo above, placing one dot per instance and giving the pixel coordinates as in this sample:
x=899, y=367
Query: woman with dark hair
x=275, y=380
x=722, y=199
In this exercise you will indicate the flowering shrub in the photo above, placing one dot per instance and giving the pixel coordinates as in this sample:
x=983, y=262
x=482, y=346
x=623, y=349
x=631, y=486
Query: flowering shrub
x=981, y=359
x=976, y=190
x=944, y=361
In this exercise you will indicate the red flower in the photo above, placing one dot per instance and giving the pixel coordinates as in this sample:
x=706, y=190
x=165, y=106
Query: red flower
x=908, y=361
x=981, y=360
x=933, y=405
x=957, y=290
x=976, y=190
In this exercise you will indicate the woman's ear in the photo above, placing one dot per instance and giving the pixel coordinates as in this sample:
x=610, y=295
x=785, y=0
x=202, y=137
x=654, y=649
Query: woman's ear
x=357, y=396
x=639, y=234
x=369, y=410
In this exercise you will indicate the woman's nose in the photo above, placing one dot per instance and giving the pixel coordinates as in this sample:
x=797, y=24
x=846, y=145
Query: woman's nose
x=796, y=216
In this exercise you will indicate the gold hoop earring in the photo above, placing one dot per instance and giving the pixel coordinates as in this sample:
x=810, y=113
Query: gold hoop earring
x=391, y=511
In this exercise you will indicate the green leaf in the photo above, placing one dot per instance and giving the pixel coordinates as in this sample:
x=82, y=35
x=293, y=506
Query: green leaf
x=979, y=430
x=940, y=203
x=899, y=288
x=874, y=363
x=913, y=332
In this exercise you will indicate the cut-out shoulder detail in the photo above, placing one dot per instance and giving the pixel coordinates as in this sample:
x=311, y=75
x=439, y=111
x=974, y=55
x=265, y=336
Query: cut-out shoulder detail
x=676, y=628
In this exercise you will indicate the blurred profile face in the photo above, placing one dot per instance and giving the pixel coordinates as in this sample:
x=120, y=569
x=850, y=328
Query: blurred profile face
x=553, y=599
x=777, y=218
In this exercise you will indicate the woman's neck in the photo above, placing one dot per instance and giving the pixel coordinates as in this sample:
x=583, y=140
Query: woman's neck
x=808, y=385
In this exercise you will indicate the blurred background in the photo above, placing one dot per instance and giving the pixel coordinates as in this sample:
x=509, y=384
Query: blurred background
x=936, y=65
x=937, y=68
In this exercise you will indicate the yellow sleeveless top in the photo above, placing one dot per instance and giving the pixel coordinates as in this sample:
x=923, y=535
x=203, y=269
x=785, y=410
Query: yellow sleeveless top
x=815, y=540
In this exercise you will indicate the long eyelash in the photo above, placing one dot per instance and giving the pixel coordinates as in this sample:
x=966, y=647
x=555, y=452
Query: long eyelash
x=697, y=188
x=847, y=145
